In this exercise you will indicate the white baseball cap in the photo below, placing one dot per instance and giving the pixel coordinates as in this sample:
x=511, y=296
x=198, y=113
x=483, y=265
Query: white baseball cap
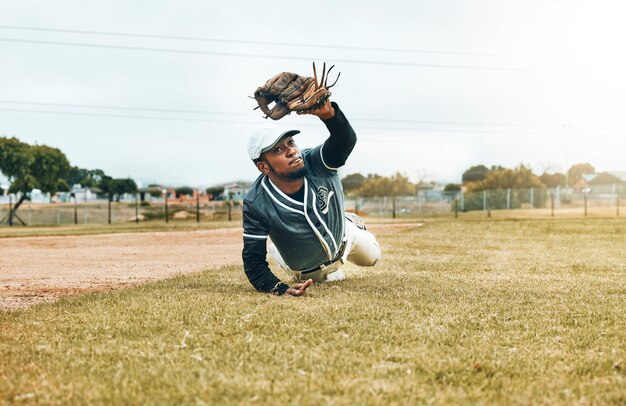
x=265, y=137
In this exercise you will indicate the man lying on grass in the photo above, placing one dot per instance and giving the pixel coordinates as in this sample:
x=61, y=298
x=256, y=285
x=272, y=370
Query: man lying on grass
x=297, y=201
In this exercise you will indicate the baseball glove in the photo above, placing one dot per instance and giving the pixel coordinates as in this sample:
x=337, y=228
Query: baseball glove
x=292, y=92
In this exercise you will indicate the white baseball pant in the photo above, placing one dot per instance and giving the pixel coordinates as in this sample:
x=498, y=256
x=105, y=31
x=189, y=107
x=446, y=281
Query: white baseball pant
x=362, y=249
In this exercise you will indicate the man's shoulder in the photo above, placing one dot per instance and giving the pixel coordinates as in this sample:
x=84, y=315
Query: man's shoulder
x=312, y=155
x=315, y=164
x=256, y=190
x=306, y=152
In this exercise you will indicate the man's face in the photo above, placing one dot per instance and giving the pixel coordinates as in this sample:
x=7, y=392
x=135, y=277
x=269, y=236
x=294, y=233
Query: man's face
x=283, y=160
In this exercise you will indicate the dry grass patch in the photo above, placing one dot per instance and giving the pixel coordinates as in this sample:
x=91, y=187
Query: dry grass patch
x=505, y=312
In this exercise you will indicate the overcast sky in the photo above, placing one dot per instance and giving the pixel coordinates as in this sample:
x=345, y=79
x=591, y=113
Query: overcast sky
x=431, y=87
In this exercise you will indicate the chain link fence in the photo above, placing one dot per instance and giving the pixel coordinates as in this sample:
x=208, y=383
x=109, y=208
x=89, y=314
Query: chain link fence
x=30, y=214
x=524, y=201
x=442, y=203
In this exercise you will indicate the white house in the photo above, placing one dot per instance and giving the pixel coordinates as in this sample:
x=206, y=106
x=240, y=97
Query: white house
x=235, y=191
x=83, y=195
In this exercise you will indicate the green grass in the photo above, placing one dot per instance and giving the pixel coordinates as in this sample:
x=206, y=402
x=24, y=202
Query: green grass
x=468, y=311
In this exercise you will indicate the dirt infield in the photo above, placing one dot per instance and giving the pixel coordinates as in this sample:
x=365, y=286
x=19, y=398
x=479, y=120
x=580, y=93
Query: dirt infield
x=42, y=269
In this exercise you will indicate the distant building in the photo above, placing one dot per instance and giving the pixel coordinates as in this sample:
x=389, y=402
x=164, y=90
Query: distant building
x=429, y=190
x=582, y=184
x=83, y=195
x=235, y=191
x=37, y=197
x=608, y=183
x=154, y=192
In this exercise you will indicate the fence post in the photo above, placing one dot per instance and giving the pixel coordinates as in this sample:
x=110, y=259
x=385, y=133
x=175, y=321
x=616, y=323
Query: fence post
x=230, y=210
x=456, y=207
x=166, y=211
x=488, y=203
x=109, y=207
x=508, y=199
x=484, y=200
x=10, y=210
x=552, y=203
x=585, y=195
x=136, y=208
x=198, y=206
x=75, y=210
x=532, y=197
x=393, y=207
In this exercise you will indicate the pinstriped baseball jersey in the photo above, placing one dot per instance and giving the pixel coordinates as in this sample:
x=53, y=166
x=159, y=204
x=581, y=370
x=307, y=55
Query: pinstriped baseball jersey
x=306, y=233
x=307, y=227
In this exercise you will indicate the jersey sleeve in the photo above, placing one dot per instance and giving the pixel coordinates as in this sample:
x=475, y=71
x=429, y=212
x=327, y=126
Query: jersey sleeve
x=256, y=268
x=340, y=144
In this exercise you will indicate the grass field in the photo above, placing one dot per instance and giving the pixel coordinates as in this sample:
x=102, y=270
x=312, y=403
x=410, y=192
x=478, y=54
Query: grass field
x=467, y=311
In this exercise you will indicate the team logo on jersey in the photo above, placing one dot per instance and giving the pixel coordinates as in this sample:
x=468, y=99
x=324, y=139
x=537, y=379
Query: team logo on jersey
x=323, y=198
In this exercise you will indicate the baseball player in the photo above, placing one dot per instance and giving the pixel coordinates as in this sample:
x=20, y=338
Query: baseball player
x=297, y=201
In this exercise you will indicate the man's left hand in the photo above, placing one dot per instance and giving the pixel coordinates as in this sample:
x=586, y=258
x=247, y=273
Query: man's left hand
x=324, y=112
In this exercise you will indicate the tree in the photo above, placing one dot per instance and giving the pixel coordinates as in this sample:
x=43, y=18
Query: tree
x=373, y=185
x=50, y=167
x=397, y=185
x=475, y=174
x=520, y=180
x=106, y=187
x=577, y=171
x=452, y=187
x=504, y=178
x=552, y=180
x=184, y=191
x=15, y=162
x=32, y=166
x=155, y=190
x=401, y=186
x=352, y=182
x=376, y=185
x=122, y=186
x=214, y=191
x=84, y=177
x=115, y=188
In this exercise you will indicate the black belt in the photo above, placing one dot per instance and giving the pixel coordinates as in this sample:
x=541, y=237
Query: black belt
x=339, y=255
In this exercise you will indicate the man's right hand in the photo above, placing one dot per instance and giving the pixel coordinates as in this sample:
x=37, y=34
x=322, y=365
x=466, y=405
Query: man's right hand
x=299, y=288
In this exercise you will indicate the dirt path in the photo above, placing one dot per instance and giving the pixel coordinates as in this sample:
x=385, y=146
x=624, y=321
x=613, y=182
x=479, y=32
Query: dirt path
x=41, y=269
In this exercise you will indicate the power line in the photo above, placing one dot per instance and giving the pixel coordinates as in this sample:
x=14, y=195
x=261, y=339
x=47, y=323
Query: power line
x=469, y=123
x=162, y=110
x=197, y=119
x=123, y=116
x=360, y=127
x=272, y=43
x=265, y=56
x=97, y=106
